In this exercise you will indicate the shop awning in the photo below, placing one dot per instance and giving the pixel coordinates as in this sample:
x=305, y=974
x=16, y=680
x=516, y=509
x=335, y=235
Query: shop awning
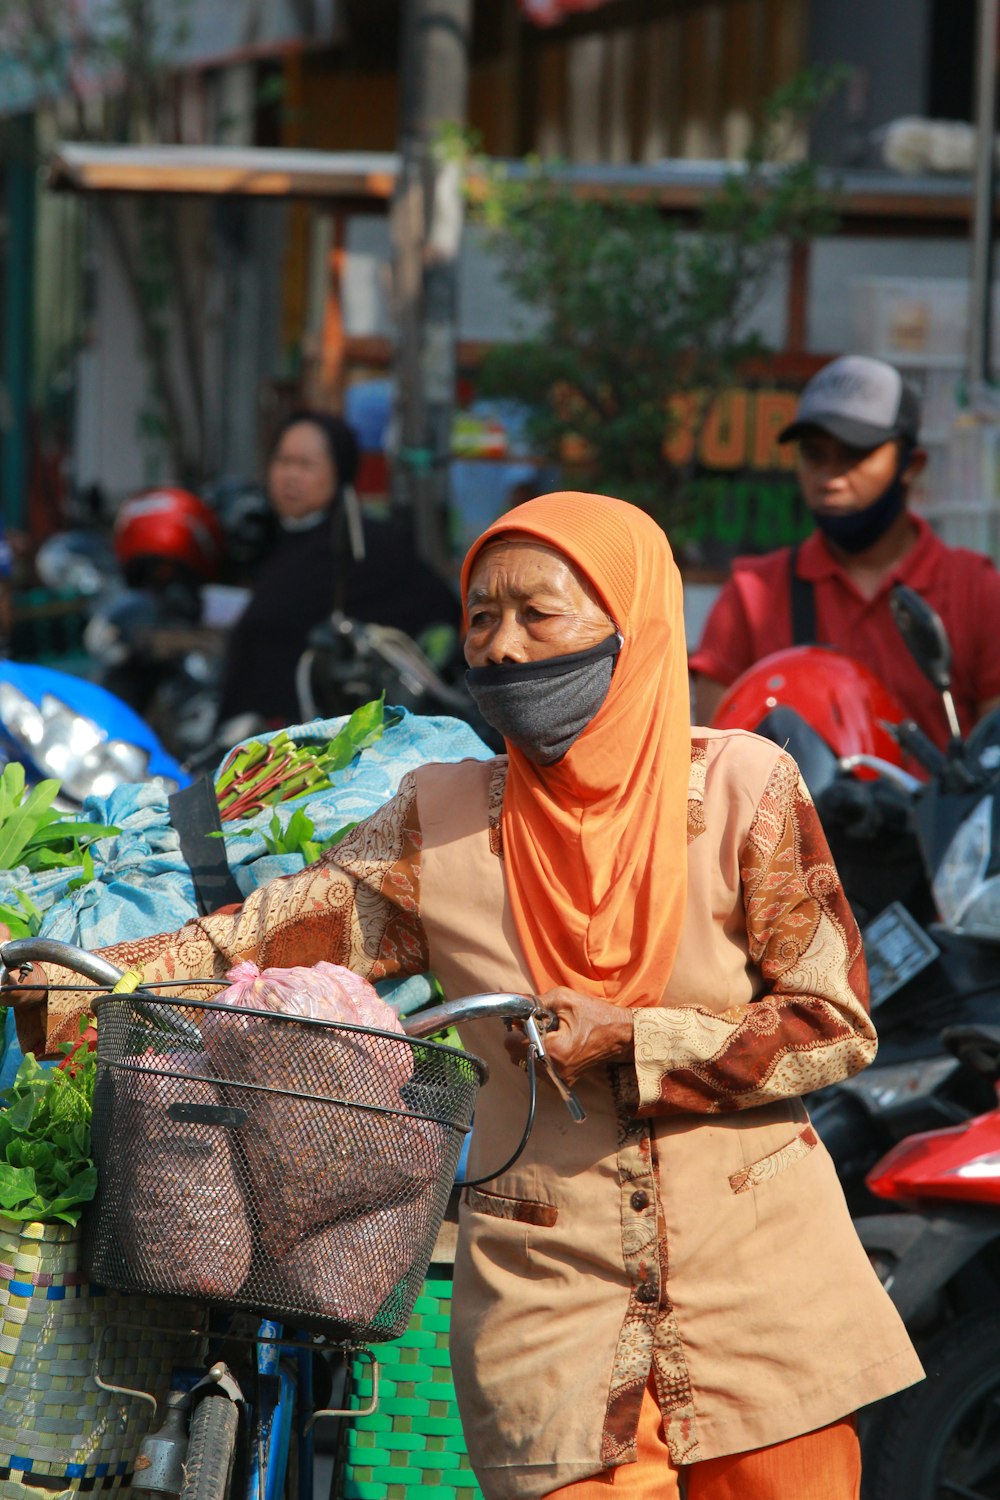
x=261, y=172
x=364, y=180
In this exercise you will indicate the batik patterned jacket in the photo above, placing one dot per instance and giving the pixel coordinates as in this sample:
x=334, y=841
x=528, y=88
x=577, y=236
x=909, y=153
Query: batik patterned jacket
x=693, y=1226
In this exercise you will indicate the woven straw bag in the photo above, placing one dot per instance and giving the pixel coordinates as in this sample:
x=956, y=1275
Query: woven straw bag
x=57, y=1426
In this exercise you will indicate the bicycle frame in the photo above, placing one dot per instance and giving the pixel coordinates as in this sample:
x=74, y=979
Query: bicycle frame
x=280, y=1388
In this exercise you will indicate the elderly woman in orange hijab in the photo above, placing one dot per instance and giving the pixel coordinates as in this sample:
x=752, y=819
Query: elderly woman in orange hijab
x=671, y=1293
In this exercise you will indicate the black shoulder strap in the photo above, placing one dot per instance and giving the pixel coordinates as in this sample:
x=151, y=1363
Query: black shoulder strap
x=338, y=542
x=803, y=604
x=194, y=812
x=347, y=538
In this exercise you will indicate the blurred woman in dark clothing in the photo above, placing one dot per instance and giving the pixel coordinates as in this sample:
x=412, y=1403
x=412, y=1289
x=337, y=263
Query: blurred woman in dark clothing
x=323, y=558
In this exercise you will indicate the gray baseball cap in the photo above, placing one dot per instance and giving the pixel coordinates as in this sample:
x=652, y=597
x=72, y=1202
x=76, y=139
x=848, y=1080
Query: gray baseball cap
x=863, y=402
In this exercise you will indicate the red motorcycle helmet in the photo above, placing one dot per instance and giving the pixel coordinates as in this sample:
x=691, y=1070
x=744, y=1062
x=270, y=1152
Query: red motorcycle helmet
x=161, y=534
x=842, y=700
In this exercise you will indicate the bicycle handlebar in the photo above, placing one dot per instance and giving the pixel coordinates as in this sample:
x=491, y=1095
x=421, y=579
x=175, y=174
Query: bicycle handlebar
x=21, y=953
x=501, y=1005
x=507, y=1007
x=18, y=953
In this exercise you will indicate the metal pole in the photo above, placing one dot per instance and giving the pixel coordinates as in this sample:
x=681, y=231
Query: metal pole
x=984, y=185
x=427, y=221
x=16, y=321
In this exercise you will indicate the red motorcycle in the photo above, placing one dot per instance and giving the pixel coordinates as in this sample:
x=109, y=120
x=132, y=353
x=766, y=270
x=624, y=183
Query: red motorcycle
x=939, y=1260
x=919, y=857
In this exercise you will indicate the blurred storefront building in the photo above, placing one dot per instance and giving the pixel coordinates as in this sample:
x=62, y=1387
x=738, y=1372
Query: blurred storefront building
x=271, y=295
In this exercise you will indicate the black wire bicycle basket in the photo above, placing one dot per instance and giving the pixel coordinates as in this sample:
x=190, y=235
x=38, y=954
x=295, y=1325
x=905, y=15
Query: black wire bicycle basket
x=296, y=1168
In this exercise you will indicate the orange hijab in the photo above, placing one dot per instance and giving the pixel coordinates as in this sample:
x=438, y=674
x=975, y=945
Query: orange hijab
x=595, y=846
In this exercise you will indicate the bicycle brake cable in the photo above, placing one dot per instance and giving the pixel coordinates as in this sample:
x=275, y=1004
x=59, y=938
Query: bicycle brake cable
x=532, y=1094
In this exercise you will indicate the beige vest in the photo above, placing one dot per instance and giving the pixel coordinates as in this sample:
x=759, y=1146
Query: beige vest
x=772, y=1320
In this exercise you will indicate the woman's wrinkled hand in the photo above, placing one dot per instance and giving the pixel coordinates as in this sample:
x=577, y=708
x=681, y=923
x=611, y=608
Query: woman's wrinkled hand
x=587, y=1032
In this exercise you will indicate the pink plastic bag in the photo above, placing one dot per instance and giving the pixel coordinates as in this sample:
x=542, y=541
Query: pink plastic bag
x=312, y=1157
x=323, y=992
x=364, y=1069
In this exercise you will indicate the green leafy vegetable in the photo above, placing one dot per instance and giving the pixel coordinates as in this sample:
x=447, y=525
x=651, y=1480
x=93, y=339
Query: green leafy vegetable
x=258, y=774
x=22, y=921
x=298, y=837
x=46, y=1171
x=19, y=821
x=35, y=834
x=86, y=872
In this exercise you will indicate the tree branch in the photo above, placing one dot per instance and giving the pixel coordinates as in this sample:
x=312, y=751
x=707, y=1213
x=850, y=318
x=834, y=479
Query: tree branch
x=188, y=323
x=155, y=352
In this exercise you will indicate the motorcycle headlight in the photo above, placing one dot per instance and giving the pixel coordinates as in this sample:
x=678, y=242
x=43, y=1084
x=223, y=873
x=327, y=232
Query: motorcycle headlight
x=68, y=746
x=22, y=719
x=984, y=1168
x=106, y=766
x=967, y=897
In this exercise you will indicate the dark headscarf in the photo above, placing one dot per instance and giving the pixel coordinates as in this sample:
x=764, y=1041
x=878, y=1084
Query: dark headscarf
x=341, y=443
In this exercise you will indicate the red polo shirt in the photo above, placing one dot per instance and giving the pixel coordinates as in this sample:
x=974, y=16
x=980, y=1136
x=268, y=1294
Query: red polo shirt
x=753, y=617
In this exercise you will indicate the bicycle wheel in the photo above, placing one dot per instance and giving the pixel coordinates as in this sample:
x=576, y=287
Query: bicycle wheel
x=208, y=1470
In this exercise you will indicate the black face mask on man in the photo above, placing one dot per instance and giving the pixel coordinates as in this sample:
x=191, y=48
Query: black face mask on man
x=856, y=530
x=542, y=707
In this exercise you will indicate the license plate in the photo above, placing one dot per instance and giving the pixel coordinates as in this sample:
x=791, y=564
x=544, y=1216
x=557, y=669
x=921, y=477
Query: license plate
x=897, y=948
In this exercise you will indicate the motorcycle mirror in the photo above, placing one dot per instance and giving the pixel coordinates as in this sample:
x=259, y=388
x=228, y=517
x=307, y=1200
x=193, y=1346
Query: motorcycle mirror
x=976, y=1047
x=924, y=633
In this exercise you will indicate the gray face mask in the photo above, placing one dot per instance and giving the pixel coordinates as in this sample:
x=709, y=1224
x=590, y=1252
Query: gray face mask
x=542, y=707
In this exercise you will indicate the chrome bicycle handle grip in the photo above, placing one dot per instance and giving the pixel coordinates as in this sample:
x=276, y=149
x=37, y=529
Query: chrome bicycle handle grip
x=500, y=1005
x=21, y=953
x=503, y=1006
x=577, y=1113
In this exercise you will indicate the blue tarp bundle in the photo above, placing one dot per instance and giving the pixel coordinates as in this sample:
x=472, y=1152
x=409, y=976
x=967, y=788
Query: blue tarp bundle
x=142, y=884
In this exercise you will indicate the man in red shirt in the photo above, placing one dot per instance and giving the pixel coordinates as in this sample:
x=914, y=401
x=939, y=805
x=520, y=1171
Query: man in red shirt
x=857, y=429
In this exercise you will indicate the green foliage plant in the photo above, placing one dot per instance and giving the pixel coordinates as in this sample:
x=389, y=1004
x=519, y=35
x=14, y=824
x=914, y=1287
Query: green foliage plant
x=46, y=1170
x=631, y=306
x=36, y=836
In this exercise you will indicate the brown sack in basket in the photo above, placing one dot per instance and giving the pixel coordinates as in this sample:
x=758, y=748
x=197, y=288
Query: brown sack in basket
x=345, y=1272
x=180, y=1215
x=310, y=1162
